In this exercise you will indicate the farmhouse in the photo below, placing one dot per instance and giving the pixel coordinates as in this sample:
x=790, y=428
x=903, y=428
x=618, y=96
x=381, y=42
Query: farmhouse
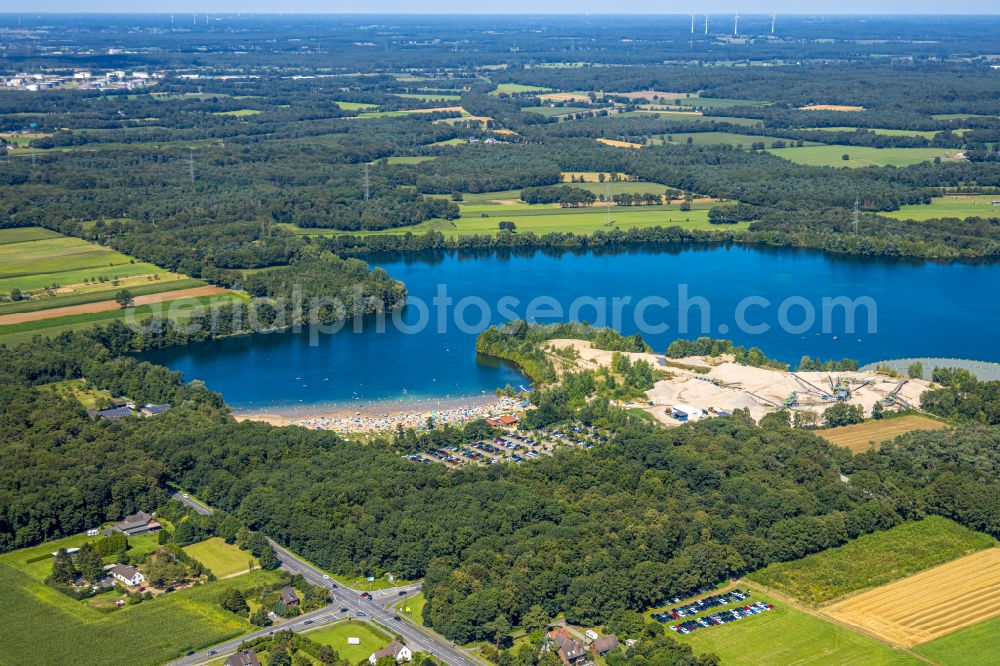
x=112, y=414
x=395, y=649
x=243, y=658
x=570, y=650
x=289, y=597
x=137, y=523
x=604, y=645
x=127, y=574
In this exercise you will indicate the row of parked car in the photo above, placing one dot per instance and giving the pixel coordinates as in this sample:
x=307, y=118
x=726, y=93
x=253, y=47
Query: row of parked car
x=723, y=617
x=700, y=606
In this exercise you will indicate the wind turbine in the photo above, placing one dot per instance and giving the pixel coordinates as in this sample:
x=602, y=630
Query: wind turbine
x=706, y=24
x=736, y=25
x=772, y=23
x=692, y=24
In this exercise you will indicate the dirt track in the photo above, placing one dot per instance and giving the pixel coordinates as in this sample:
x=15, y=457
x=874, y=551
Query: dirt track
x=104, y=306
x=929, y=604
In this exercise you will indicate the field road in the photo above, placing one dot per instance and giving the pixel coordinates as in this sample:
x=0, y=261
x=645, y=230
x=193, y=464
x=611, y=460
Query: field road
x=377, y=610
x=104, y=306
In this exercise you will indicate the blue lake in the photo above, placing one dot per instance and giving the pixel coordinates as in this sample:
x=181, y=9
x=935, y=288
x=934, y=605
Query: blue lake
x=917, y=308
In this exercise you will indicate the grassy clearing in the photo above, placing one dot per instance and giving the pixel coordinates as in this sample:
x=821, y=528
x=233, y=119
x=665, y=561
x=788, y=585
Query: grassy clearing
x=786, y=635
x=238, y=113
x=508, y=88
x=412, y=607
x=972, y=646
x=950, y=206
x=959, y=116
x=552, y=111
x=409, y=159
x=430, y=97
x=221, y=558
x=877, y=130
x=371, y=638
x=78, y=276
x=79, y=390
x=721, y=138
x=165, y=627
x=873, y=559
x=450, y=142
x=588, y=176
x=355, y=106
x=862, y=436
x=720, y=102
x=832, y=156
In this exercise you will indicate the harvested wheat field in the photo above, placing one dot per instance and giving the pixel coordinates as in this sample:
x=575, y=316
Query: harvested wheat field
x=929, y=604
x=859, y=437
x=831, y=107
x=619, y=144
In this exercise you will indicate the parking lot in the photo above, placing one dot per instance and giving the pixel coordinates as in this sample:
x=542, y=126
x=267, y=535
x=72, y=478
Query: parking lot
x=515, y=448
x=696, y=610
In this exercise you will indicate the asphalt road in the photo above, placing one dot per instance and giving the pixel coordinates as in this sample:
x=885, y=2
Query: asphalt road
x=379, y=609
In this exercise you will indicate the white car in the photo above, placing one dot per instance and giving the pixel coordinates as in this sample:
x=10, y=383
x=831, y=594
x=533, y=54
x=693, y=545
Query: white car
x=326, y=577
x=184, y=495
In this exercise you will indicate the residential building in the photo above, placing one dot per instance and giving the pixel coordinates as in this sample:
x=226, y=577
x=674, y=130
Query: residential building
x=127, y=574
x=395, y=649
x=605, y=644
x=289, y=597
x=569, y=650
x=243, y=658
x=137, y=523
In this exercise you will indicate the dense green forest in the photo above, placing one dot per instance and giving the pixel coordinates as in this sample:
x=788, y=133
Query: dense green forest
x=651, y=514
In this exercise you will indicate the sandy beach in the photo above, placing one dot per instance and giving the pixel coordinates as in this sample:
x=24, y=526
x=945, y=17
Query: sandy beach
x=377, y=416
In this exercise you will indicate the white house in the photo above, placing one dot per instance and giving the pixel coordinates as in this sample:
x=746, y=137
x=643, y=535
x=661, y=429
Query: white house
x=127, y=574
x=395, y=649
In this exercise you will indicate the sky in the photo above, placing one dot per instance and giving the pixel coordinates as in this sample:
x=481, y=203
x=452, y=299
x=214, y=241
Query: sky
x=516, y=6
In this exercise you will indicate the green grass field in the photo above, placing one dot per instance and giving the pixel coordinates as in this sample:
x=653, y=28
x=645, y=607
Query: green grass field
x=239, y=113
x=832, y=156
x=355, y=106
x=43, y=626
x=79, y=390
x=959, y=116
x=873, y=560
x=545, y=220
x=508, y=88
x=221, y=558
x=786, y=635
x=409, y=159
x=336, y=635
x=972, y=646
x=724, y=138
x=415, y=604
x=877, y=130
x=950, y=206
x=550, y=111
x=22, y=234
x=430, y=97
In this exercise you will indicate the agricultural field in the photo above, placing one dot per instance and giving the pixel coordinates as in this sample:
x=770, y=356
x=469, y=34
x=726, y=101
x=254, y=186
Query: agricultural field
x=860, y=156
x=804, y=639
x=238, y=113
x=409, y=159
x=959, y=116
x=356, y=106
x=831, y=107
x=723, y=138
x=873, y=559
x=961, y=206
x=929, y=134
x=221, y=558
x=169, y=625
x=71, y=283
x=930, y=604
x=588, y=176
x=510, y=88
x=971, y=646
x=860, y=437
x=336, y=635
x=546, y=219
x=553, y=111
x=618, y=144
x=430, y=97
